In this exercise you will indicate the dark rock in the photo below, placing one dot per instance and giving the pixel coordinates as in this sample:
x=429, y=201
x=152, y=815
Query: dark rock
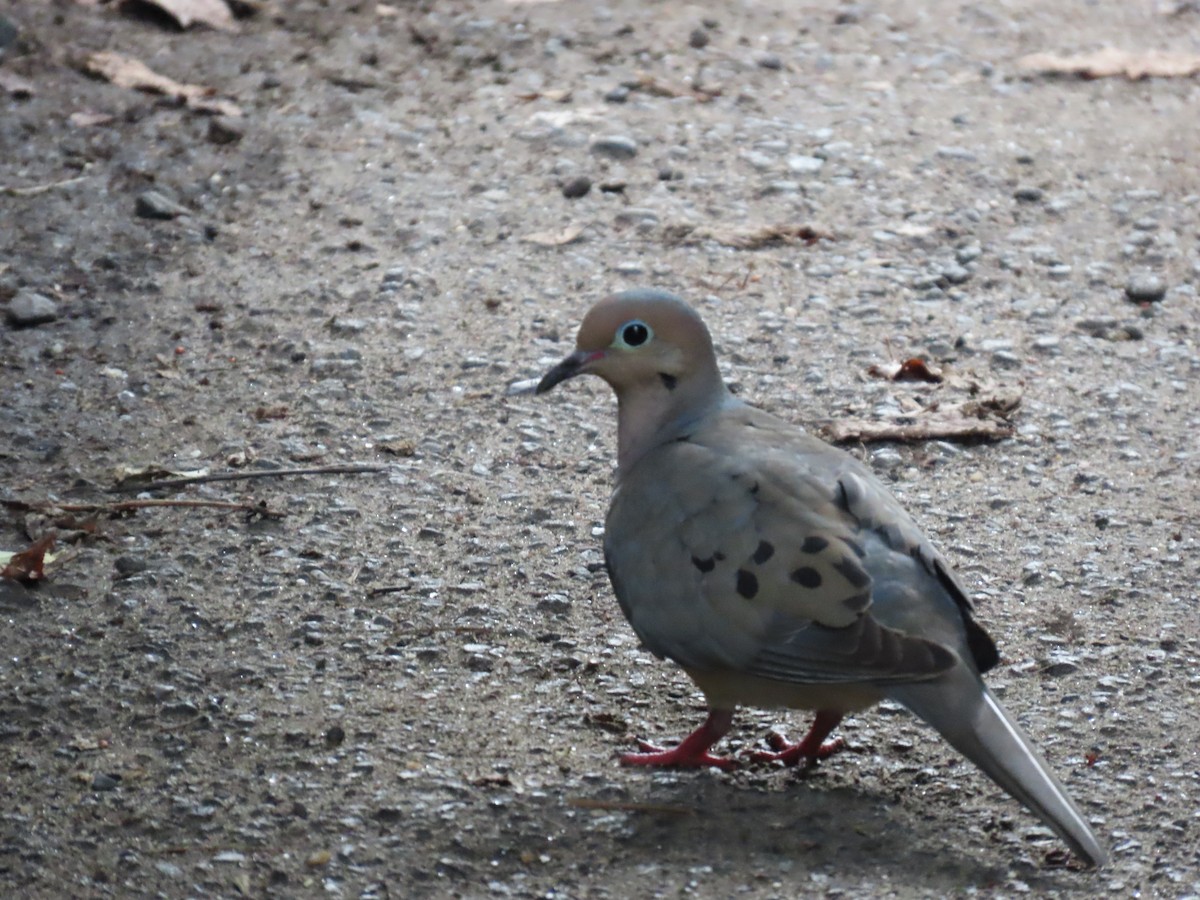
x=577, y=187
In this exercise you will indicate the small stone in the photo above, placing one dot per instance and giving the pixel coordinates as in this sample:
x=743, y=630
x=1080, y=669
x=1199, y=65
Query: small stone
x=29, y=308
x=619, y=94
x=969, y=253
x=224, y=130
x=956, y=274
x=155, y=205
x=615, y=147
x=577, y=187
x=805, y=164
x=130, y=565
x=768, y=61
x=104, y=781
x=1029, y=194
x=698, y=39
x=1145, y=288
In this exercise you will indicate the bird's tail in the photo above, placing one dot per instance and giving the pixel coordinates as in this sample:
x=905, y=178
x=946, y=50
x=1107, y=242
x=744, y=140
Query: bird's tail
x=969, y=716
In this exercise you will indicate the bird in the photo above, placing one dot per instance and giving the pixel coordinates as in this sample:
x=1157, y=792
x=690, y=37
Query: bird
x=778, y=571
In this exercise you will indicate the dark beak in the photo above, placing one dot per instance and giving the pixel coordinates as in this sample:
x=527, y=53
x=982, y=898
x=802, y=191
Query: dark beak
x=570, y=367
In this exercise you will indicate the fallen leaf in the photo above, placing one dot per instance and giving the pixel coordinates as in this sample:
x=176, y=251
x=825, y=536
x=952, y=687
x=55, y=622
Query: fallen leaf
x=126, y=72
x=568, y=235
x=1112, y=61
x=213, y=13
x=13, y=84
x=983, y=414
x=914, y=369
x=747, y=238
x=28, y=565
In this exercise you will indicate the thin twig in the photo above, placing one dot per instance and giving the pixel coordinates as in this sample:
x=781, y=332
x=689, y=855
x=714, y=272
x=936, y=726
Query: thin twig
x=354, y=469
x=34, y=190
x=125, y=505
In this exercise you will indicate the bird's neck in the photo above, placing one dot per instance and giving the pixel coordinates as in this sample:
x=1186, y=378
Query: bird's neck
x=648, y=418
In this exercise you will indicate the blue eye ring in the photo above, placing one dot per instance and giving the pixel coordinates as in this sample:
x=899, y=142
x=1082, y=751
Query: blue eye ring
x=633, y=334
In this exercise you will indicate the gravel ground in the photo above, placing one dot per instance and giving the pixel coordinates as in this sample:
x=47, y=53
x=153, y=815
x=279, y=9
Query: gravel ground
x=413, y=681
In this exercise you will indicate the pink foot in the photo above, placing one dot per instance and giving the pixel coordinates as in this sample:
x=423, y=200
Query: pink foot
x=692, y=752
x=814, y=746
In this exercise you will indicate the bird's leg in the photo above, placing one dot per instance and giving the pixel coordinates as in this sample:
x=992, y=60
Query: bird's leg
x=812, y=748
x=692, y=751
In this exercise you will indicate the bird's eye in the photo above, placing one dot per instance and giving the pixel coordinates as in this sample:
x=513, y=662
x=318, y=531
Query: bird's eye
x=633, y=334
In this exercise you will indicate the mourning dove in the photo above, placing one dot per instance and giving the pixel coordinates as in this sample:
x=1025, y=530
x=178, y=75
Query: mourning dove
x=777, y=570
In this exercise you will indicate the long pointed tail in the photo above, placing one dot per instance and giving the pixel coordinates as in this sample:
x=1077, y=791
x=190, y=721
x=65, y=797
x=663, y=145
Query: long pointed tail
x=967, y=715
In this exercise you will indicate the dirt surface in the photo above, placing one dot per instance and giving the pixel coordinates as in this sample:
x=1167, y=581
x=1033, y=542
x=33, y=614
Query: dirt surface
x=413, y=682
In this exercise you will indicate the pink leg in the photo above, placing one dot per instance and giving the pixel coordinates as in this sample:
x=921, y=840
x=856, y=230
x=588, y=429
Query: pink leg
x=692, y=752
x=811, y=748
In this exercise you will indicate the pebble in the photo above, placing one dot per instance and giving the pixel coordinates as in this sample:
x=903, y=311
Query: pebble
x=1029, y=194
x=969, y=253
x=619, y=94
x=29, y=308
x=103, y=781
x=577, y=187
x=224, y=130
x=1145, y=288
x=956, y=274
x=698, y=39
x=804, y=164
x=768, y=61
x=130, y=565
x=156, y=205
x=615, y=147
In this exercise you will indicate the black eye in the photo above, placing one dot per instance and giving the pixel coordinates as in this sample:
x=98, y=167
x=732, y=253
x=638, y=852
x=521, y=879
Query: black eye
x=634, y=334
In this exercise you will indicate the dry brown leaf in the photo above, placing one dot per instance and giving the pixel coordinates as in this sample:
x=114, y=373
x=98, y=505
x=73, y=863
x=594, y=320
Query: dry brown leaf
x=568, y=235
x=985, y=417
x=914, y=369
x=748, y=238
x=1112, y=61
x=126, y=72
x=28, y=564
x=213, y=13
x=946, y=424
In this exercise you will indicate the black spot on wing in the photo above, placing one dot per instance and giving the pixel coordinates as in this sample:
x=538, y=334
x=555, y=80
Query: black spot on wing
x=814, y=544
x=764, y=552
x=747, y=584
x=704, y=565
x=852, y=572
x=807, y=577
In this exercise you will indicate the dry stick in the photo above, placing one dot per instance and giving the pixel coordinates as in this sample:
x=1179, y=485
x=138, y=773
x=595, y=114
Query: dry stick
x=241, y=476
x=34, y=190
x=123, y=505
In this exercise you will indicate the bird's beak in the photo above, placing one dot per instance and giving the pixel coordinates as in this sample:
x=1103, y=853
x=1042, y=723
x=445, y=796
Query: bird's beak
x=575, y=364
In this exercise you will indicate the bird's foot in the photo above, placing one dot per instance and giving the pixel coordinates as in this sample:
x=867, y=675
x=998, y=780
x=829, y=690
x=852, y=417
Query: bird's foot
x=681, y=757
x=814, y=747
x=794, y=754
x=692, y=752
